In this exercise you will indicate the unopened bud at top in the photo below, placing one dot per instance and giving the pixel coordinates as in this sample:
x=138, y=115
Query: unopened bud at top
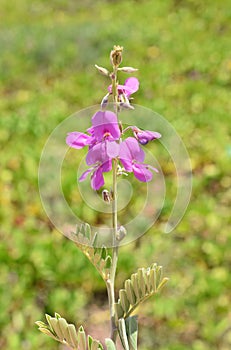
x=116, y=55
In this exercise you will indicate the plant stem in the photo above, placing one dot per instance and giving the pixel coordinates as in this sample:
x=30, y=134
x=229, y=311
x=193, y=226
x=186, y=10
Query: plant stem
x=111, y=282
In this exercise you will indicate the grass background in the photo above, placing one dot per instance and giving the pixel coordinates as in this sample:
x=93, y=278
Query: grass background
x=47, y=56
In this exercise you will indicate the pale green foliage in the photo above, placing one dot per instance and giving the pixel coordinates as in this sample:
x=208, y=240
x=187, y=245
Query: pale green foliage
x=142, y=284
x=58, y=329
x=99, y=257
x=128, y=331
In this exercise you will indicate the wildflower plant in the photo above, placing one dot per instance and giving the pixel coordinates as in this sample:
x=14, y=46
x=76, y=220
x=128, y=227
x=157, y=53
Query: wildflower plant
x=117, y=150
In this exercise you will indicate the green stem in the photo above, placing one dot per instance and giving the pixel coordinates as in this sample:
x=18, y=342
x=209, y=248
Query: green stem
x=111, y=282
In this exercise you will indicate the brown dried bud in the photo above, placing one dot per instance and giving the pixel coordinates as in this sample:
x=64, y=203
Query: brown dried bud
x=116, y=55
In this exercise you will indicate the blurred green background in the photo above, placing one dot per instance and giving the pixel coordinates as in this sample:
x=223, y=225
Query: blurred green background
x=47, y=54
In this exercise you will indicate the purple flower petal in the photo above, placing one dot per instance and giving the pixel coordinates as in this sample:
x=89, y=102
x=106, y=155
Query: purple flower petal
x=85, y=174
x=112, y=149
x=102, y=152
x=106, y=166
x=90, y=130
x=133, y=151
x=144, y=136
x=97, y=153
x=125, y=156
x=132, y=85
x=78, y=139
x=105, y=125
x=142, y=173
x=97, y=179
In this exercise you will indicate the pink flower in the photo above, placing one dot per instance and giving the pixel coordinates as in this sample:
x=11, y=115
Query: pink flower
x=132, y=157
x=104, y=128
x=103, y=145
x=78, y=139
x=101, y=162
x=130, y=86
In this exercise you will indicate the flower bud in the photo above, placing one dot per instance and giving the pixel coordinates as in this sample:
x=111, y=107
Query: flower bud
x=124, y=102
x=104, y=101
x=126, y=105
x=128, y=69
x=102, y=70
x=121, y=233
x=144, y=136
x=106, y=196
x=116, y=55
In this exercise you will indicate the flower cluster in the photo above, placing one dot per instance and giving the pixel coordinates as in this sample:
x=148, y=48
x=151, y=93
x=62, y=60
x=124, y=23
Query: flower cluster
x=105, y=142
x=106, y=139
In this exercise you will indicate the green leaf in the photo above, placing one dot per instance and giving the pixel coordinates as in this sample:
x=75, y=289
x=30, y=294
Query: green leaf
x=103, y=253
x=58, y=329
x=47, y=332
x=82, y=338
x=130, y=292
x=132, y=332
x=94, y=240
x=48, y=318
x=124, y=300
x=123, y=333
x=141, y=281
x=158, y=273
x=108, y=262
x=73, y=335
x=162, y=283
x=95, y=345
x=134, y=280
x=41, y=324
x=102, y=265
x=87, y=231
x=152, y=279
x=119, y=310
x=110, y=344
x=99, y=257
x=143, y=284
x=55, y=325
x=90, y=341
x=64, y=329
x=96, y=259
x=100, y=346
